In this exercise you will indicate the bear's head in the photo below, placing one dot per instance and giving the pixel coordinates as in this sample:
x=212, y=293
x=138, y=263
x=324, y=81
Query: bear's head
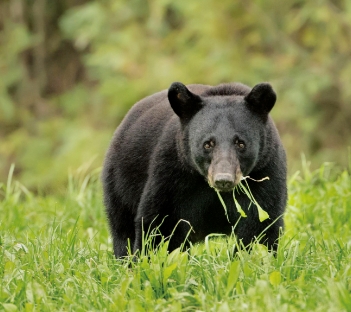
x=223, y=132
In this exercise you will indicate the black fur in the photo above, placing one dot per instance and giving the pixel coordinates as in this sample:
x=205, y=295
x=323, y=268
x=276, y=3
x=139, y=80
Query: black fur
x=227, y=89
x=159, y=165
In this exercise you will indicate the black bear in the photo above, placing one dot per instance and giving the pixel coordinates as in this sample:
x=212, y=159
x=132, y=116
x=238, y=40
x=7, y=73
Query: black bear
x=175, y=148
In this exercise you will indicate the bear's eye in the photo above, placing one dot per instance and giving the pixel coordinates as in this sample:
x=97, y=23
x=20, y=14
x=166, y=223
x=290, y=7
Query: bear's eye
x=209, y=144
x=239, y=144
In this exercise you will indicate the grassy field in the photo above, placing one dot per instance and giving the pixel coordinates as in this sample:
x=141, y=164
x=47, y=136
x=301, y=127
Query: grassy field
x=55, y=255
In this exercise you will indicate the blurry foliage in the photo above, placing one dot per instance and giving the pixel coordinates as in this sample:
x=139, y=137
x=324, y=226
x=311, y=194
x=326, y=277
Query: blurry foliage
x=71, y=69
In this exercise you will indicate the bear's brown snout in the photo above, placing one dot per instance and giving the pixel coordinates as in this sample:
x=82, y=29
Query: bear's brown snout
x=224, y=175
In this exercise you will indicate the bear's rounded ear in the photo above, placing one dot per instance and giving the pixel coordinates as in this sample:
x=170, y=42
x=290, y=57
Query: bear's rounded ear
x=184, y=103
x=261, y=99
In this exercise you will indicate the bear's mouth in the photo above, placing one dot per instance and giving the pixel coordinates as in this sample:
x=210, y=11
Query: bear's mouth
x=224, y=185
x=224, y=190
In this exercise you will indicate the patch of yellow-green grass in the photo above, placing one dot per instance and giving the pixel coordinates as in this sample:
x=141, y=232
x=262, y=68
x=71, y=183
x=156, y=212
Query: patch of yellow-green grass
x=56, y=255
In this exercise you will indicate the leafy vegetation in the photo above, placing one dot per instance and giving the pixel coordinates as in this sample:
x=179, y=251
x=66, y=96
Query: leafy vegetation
x=71, y=69
x=55, y=254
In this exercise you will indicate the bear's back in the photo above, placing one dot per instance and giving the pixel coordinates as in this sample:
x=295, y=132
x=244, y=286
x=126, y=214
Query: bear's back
x=155, y=109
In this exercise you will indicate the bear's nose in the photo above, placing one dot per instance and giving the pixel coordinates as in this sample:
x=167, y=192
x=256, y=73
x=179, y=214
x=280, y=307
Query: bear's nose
x=224, y=181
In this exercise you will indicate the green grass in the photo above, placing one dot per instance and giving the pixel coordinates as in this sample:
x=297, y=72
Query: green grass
x=56, y=255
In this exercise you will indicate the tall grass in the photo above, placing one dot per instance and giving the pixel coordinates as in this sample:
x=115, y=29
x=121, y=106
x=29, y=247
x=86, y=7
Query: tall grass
x=55, y=254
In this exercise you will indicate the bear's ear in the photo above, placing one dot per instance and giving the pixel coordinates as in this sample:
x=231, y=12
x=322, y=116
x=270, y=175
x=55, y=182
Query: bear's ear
x=261, y=99
x=184, y=103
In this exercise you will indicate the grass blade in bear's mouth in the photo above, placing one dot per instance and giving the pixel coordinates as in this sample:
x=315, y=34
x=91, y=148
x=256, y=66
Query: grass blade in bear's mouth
x=223, y=204
x=262, y=214
x=238, y=207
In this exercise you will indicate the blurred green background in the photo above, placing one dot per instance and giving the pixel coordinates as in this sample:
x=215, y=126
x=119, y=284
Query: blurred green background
x=71, y=69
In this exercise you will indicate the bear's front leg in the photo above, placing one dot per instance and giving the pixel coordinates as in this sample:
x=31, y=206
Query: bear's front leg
x=152, y=210
x=143, y=227
x=156, y=210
